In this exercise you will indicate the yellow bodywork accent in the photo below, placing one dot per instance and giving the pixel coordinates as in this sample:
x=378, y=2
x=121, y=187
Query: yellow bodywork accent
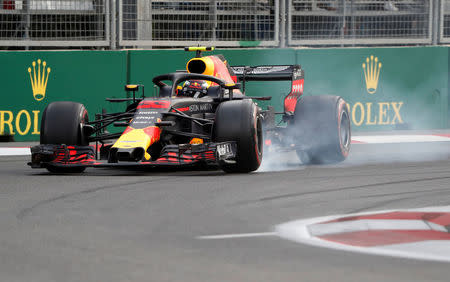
x=200, y=48
x=132, y=139
x=136, y=138
x=209, y=69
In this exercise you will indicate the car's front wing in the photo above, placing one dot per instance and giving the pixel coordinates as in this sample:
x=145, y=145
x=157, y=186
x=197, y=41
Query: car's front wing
x=46, y=155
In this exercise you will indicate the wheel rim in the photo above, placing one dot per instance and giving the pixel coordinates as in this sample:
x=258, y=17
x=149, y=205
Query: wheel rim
x=344, y=130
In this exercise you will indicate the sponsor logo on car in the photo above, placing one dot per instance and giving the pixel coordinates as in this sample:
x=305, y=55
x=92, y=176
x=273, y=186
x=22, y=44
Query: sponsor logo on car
x=200, y=108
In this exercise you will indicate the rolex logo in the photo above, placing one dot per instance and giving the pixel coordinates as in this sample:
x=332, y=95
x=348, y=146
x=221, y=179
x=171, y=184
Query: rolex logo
x=39, y=79
x=371, y=69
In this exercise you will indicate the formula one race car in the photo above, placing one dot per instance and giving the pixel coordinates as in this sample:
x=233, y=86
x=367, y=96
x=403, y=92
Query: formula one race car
x=200, y=117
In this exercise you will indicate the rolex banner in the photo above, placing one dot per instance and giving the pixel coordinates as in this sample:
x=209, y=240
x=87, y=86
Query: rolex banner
x=385, y=88
x=31, y=80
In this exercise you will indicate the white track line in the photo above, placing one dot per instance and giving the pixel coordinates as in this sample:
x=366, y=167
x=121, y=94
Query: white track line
x=382, y=139
x=375, y=139
x=240, y=235
x=4, y=151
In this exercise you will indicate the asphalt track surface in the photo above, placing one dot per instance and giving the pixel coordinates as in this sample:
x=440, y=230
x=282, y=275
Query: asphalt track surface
x=122, y=225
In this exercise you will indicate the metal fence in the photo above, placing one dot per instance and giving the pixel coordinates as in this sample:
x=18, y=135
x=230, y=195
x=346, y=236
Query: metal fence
x=359, y=22
x=444, y=23
x=229, y=23
x=54, y=23
x=180, y=23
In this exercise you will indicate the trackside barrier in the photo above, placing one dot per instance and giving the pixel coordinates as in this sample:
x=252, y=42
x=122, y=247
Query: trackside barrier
x=243, y=23
x=55, y=23
x=360, y=22
x=227, y=23
x=386, y=88
x=31, y=80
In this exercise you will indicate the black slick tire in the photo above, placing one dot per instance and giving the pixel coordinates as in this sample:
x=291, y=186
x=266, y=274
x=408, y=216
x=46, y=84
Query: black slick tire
x=240, y=121
x=62, y=123
x=321, y=127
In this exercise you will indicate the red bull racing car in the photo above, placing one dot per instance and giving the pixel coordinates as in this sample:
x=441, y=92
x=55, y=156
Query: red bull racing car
x=199, y=117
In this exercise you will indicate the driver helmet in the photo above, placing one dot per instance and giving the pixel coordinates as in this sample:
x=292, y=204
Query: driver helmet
x=194, y=88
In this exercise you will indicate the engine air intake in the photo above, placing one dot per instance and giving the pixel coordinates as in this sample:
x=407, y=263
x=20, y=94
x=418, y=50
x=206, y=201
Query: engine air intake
x=196, y=66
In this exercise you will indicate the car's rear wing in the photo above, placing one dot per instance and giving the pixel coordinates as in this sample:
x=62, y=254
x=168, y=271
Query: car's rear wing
x=294, y=73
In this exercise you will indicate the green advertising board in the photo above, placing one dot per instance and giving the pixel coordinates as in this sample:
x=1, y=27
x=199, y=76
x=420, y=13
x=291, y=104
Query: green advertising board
x=385, y=88
x=31, y=80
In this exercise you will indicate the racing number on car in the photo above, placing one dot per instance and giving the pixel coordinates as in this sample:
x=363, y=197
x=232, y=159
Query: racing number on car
x=224, y=149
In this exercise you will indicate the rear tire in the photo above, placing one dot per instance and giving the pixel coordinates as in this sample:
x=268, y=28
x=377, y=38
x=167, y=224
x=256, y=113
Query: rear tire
x=240, y=121
x=322, y=127
x=62, y=123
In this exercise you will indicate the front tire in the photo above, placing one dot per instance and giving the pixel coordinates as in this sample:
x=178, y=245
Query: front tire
x=322, y=129
x=240, y=121
x=62, y=123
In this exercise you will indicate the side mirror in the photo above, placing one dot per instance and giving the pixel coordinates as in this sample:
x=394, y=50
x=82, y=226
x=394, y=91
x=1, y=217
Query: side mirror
x=233, y=86
x=132, y=87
